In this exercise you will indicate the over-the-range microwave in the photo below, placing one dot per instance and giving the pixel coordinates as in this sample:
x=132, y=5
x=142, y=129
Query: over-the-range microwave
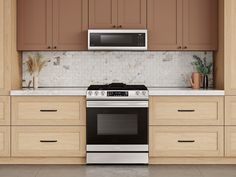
x=117, y=39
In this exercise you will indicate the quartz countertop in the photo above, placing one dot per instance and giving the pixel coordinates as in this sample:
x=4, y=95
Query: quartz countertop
x=82, y=92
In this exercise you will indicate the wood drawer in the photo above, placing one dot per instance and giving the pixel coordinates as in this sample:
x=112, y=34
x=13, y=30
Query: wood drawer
x=230, y=141
x=48, y=110
x=4, y=110
x=183, y=141
x=186, y=110
x=4, y=141
x=49, y=141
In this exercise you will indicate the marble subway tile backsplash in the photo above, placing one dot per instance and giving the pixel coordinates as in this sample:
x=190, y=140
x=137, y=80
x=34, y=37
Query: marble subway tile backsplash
x=80, y=69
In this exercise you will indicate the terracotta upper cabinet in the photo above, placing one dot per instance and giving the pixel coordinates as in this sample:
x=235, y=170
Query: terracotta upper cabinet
x=132, y=13
x=164, y=24
x=182, y=24
x=102, y=13
x=117, y=14
x=52, y=24
x=34, y=24
x=200, y=24
x=70, y=24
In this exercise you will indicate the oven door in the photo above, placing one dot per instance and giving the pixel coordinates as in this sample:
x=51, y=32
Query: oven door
x=117, y=122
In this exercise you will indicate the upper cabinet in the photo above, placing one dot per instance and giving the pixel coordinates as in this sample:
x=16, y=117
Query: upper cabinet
x=200, y=24
x=129, y=14
x=52, y=24
x=6, y=40
x=182, y=24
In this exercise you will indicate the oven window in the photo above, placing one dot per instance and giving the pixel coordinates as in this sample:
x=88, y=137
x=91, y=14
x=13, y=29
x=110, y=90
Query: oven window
x=117, y=124
x=116, y=39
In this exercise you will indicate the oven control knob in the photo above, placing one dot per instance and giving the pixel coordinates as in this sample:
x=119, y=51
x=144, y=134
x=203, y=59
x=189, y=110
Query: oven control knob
x=137, y=92
x=102, y=93
x=90, y=93
x=144, y=93
x=96, y=93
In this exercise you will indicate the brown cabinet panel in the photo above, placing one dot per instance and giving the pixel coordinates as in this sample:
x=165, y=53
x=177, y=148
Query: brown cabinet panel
x=164, y=20
x=34, y=24
x=132, y=13
x=200, y=24
x=70, y=24
x=102, y=13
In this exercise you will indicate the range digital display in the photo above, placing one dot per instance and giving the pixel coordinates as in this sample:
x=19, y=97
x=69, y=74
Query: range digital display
x=117, y=93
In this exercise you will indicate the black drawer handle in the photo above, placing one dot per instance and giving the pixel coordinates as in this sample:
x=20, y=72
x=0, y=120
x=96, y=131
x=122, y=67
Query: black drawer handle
x=48, y=110
x=185, y=110
x=186, y=141
x=48, y=141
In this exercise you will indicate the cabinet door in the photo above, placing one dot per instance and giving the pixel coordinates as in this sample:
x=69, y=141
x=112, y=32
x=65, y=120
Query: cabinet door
x=70, y=24
x=200, y=24
x=164, y=18
x=229, y=47
x=5, y=46
x=102, y=13
x=34, y=24
x=132, y=14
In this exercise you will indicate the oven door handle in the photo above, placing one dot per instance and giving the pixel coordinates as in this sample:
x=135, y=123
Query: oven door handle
x=117, y=104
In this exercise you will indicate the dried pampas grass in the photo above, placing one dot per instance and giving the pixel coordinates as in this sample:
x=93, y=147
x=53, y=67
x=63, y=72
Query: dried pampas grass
x=35, y=63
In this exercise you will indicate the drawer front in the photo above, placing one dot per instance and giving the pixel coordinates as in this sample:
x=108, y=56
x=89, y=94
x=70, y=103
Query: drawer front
x=48, y=110
x=186, y=110
x=183, y=141
x=230, y=141
x=230, y=110
x=4, y=110
x=4, y=141
x=48, y=141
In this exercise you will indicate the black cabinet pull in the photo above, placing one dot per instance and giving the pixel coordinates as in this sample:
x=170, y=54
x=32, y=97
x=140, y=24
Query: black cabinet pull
x=55, y=47
x=114, y=26
x=48, y=110
x=49, y=47
x=186, y=141
x=120, y=26
x=186, y=110
x=48, y=141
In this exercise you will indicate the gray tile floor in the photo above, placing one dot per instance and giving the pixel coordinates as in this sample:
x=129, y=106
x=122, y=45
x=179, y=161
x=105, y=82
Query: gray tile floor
x=118, y=171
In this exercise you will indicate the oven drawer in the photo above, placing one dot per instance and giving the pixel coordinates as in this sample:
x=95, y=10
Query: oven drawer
x=48, y=110
x=186, y=110
x=4, y=141
x=40, y=141
x=183, y=141
x=4, y=110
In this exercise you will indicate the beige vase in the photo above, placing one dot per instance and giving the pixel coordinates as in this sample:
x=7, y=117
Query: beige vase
x=195, y=80
x=35, y=80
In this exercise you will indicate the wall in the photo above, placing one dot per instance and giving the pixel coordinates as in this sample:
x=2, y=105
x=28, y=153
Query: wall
x=80, y=69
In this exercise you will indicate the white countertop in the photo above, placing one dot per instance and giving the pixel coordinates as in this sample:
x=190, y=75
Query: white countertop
x=82, y=92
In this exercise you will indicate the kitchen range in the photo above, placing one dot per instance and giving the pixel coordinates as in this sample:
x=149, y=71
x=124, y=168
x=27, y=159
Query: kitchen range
x=117, y=124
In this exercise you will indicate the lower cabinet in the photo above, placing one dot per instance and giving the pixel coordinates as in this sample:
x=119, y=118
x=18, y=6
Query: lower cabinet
x=4, y=141
x=186, y=141
x=48, y=141
x=230, y=141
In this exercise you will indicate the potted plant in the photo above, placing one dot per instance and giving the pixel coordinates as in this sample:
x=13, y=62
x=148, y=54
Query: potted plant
x=204, y=68
x=35, y=64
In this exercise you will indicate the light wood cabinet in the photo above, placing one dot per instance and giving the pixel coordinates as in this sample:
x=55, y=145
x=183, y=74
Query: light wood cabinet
x=4, y=110
x=48, y=111
x=230, y=141
x=183, y=141
x=52, y=24
x=46, y=141
x=182, y=24
x=117, y=14
x=5, y=45
x=186, y=110
x=229, y=47
x=230, y=110
x=4, y=141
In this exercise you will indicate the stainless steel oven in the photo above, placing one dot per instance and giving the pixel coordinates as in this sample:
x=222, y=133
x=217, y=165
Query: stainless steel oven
x=123, y=39
x=117, y=127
